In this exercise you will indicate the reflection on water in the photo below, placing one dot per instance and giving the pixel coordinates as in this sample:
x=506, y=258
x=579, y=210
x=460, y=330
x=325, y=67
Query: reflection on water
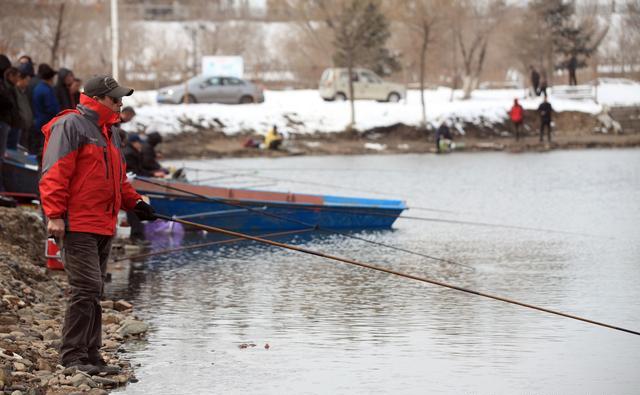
x=336, y=328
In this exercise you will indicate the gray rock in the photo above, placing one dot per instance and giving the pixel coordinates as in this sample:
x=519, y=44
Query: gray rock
x=81, y=378
x=105, y=381
x=133, y=327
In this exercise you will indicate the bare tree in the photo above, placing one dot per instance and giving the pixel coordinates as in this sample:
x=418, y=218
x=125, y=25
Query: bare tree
x=361, y=33
x=422, y=17
x=473, y=25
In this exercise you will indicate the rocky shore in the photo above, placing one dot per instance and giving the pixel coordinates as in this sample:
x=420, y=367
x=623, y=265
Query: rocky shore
x=572, y=130
x=31, y=313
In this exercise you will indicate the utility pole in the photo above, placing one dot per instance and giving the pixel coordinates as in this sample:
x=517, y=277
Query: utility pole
x=115, y=49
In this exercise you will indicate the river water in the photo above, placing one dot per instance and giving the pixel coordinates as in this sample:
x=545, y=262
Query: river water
x=337, y=329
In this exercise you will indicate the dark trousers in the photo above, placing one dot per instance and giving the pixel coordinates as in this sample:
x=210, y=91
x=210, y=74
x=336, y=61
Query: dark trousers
x=36, y=141
x=516, y=129
x=85, y=258
x=546, y=125
x=13, y=138
x=137, y=229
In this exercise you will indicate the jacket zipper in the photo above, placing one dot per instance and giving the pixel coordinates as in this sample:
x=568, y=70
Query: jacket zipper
x=106, y=166
x=106, y=162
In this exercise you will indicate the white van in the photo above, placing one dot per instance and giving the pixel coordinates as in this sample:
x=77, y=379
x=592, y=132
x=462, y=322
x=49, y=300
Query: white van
x=334, y=85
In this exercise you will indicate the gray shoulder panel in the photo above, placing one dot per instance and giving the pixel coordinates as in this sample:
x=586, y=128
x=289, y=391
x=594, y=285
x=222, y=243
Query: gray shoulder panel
x=69, y=134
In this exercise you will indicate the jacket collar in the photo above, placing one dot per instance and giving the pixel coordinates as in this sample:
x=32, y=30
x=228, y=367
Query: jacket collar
x=97, y=112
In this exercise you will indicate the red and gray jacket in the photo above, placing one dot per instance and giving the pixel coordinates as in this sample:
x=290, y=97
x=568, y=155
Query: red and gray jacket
x=83, y=171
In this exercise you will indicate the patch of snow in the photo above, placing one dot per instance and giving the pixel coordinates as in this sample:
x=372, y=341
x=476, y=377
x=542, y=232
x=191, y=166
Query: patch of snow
x=375, y=146
x=303, y=111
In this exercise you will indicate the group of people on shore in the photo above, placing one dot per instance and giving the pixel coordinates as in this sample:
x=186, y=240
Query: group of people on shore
x=29, y=99
x=545, y=110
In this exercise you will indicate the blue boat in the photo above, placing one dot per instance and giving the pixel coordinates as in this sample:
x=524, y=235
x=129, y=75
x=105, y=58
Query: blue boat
x=231, y=208
x=254, y=211
x=20, y=175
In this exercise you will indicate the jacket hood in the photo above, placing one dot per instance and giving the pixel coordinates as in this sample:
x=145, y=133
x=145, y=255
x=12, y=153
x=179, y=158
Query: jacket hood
x=154, y=138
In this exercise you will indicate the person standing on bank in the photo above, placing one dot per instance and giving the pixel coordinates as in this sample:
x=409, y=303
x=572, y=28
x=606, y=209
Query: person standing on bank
x=535, y=81
x=545, y=111
x=516, y=114
x=83, y=186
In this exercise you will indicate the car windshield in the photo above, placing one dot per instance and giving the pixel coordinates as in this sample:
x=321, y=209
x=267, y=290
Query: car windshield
x=370, y=77
x=196, y=80
x=213, y=81
x=232, y=81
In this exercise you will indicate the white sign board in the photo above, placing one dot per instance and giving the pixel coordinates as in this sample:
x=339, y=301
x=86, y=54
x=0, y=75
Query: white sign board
x=225, y=66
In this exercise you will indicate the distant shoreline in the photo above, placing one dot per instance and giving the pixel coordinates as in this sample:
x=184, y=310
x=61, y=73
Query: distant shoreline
x=573, y=130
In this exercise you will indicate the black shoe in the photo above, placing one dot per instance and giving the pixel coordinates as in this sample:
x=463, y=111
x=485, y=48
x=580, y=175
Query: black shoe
x=104, y=368
x=84, y=367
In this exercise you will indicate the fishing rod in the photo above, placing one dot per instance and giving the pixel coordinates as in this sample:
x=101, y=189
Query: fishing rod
x=207, y=244
x=268, y=214
x=393, y=272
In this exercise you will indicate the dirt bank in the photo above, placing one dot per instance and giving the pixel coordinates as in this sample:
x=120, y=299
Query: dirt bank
x=573, y=130
x=31, y=313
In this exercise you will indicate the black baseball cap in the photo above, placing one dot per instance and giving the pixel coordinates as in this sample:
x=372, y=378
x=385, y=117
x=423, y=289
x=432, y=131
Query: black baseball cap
x=105, y=85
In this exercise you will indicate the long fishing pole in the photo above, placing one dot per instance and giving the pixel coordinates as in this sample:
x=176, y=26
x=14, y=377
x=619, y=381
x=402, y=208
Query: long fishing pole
x=390, y=271
x=207, y=244
x=265, y=213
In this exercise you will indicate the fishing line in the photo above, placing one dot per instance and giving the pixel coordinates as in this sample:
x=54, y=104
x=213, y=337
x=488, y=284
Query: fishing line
x=431, y=219
x=223, y=201
x=394, y=272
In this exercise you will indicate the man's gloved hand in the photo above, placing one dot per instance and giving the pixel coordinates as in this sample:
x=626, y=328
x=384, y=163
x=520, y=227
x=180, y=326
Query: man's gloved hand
x=144, y=211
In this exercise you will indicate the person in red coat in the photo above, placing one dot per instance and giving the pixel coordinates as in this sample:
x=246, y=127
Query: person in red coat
x=516, y=114
x=83, y=186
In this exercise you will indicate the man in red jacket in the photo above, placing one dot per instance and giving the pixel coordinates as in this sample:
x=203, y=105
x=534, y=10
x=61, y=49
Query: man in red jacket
x=83, y=186
x=516, y=114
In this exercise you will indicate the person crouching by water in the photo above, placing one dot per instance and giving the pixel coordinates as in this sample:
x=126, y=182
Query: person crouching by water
x=150, y=156
x=83, y=186
x=443, y=137
x=516, y=114
x=273, y=138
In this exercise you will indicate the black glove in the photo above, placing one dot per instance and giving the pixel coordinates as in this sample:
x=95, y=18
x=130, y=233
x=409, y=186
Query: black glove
x=144, y=211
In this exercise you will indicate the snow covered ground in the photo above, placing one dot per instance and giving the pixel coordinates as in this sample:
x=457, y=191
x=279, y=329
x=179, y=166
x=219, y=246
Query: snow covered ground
x=303, y=111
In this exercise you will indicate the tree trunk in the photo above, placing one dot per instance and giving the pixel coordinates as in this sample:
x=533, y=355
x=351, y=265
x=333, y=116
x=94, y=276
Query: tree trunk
x=56, y=39
x=352, y=105
x=468, y=85
x=423, y=60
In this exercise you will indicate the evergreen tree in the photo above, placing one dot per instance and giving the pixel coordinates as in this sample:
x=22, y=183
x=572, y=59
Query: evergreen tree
x=562, y=36
x=361, y=32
